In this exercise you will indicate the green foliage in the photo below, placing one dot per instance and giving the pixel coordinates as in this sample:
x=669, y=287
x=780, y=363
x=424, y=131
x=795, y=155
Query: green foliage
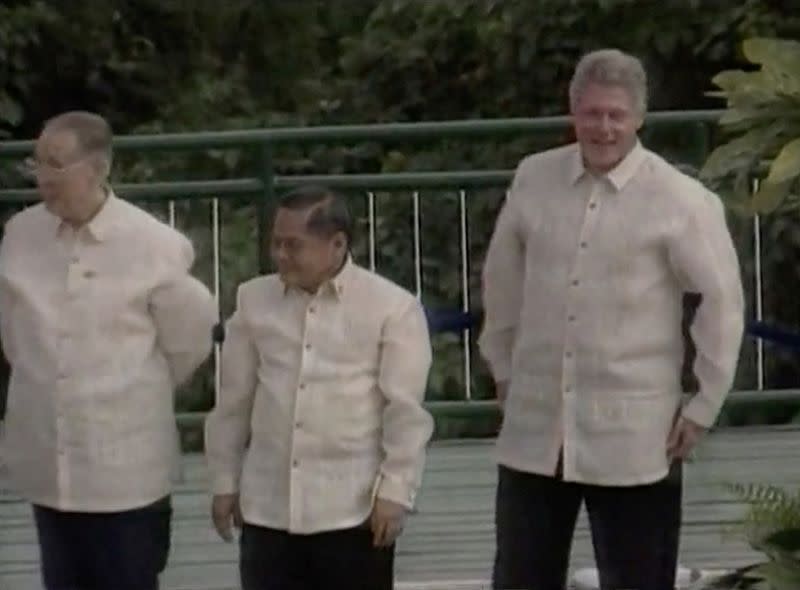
x=155, y=66
x=763, y=114
x=772, y=527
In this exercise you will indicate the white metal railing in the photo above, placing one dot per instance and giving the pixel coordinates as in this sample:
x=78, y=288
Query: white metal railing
x=464, y=264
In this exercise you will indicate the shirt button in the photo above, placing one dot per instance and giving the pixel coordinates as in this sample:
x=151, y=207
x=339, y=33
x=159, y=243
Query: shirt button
x=298, y=424
x=571, y=318
x=312, y=309
x=295, y=463
x=584, y=244
x=308, y=346
x=575, y=282
x=592, y=205
x=302, y=386
x=568, y=355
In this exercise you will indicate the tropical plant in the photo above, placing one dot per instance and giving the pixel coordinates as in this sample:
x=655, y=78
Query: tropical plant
x=772, y=526
x=763, y=118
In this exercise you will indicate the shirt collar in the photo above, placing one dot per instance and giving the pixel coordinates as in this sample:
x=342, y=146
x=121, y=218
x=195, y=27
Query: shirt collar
x=619, y=176
x=102, y=224
x=335, y=286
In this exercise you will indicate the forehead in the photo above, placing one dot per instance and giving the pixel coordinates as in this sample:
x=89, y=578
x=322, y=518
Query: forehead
x=59, y=144
x=600, y=96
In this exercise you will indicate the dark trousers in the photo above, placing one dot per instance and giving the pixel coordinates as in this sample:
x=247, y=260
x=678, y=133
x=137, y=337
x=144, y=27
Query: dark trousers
x=635, y=531
x=104, y=551
x=276, y=560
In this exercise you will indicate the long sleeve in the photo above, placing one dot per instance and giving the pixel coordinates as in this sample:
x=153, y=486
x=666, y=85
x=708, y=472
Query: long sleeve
x=503, y=279
x=185, y=313
x=228, y=424
x=407, y=426
x=703, y=257
x=5, y=298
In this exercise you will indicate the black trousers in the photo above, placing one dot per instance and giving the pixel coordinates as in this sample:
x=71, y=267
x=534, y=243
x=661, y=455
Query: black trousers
x=635, y=531
x=104, y=551
x=277, y=560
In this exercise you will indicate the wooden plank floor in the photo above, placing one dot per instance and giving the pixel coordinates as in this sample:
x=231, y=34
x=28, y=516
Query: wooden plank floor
x=449, y=542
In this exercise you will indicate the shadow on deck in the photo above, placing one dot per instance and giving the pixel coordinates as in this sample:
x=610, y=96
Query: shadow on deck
x=449, y=543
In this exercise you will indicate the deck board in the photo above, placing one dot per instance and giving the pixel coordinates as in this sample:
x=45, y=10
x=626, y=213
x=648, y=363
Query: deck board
x=450, y=540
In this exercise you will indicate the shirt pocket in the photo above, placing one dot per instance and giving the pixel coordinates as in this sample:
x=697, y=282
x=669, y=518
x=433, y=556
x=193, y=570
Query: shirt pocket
x=649, y=414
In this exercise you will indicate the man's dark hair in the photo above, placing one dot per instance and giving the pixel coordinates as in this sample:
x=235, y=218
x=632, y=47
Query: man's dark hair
x=329, y=211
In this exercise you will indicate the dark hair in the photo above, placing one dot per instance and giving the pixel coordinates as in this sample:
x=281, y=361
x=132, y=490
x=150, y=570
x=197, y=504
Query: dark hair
x=91, y=130
x=330, y=213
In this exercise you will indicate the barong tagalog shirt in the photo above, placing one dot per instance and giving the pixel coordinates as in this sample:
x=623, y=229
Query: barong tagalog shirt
x=99, y=324
x=583, y=288
x=320, y=409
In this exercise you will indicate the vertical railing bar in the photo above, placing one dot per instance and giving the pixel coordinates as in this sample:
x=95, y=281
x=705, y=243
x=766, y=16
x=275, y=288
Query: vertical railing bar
x=462, y=206
x=267, y=200
x=371, y=219
x=417, y=246
x=759, y=295
x=215, y=247
x=172, y=213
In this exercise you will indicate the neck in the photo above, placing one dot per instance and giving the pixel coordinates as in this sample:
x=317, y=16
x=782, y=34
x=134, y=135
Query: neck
x=334, y=270
x=90, y=208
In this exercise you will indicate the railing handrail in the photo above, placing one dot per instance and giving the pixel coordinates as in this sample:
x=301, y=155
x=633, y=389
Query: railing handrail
x=373, y=132
x=231, y=188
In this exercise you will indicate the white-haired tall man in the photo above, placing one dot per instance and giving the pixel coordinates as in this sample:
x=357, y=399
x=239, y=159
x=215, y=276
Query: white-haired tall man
x=583, y=287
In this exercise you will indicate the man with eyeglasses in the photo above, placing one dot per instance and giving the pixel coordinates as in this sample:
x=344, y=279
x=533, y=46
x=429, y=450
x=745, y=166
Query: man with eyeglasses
x=100, y=321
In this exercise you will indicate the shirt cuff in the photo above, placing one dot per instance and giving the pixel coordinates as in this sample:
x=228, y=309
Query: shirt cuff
x=702, y=410
x=225, y=483
x=395, y=490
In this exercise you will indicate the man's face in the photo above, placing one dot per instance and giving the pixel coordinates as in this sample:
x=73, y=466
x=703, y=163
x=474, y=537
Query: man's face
x=606, y=122
x=66, y=177
x=303, y=259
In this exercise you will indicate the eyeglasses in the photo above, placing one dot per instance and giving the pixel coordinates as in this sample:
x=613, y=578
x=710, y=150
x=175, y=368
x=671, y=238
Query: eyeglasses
x=32, y=168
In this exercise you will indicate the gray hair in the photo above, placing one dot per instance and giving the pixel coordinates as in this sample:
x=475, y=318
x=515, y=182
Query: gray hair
x=91, y=130
x=610, y=67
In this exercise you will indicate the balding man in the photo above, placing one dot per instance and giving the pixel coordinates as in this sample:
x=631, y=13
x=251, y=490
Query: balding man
x=101, y=321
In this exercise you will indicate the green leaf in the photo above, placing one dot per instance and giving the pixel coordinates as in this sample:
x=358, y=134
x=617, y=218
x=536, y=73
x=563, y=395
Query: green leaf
x=780, y=576
x=769, y=196
x=785, y=540
x=786, y=165
x=742, y=151
x=780, y=60
x=746, y=89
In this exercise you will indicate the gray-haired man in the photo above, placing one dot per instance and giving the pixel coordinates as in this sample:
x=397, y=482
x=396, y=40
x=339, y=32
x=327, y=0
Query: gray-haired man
x=583, y=288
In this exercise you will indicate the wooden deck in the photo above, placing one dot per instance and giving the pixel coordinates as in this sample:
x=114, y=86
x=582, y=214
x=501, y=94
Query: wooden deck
x=449, y=542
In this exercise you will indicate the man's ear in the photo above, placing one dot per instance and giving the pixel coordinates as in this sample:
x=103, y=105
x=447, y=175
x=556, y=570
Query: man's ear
x=103, y=167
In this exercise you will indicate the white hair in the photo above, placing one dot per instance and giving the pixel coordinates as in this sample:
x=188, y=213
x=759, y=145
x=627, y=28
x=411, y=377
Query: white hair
x=610, y=67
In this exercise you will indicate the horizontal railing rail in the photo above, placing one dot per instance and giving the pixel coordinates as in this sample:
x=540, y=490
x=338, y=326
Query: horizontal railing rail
x=262, y=184
x=388, y=132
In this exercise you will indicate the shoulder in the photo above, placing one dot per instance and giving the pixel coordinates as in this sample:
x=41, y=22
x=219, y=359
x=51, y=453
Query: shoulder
x=544, y=161
x=258, y=289
x=147, y=225
x=30, y=218
x=163, y=242
x=687, y=193
x=373, y=288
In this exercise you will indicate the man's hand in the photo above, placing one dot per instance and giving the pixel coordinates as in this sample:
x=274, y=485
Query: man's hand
x=501, y=391
x=684, y=437
x=225, y=511
x=386, y=521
